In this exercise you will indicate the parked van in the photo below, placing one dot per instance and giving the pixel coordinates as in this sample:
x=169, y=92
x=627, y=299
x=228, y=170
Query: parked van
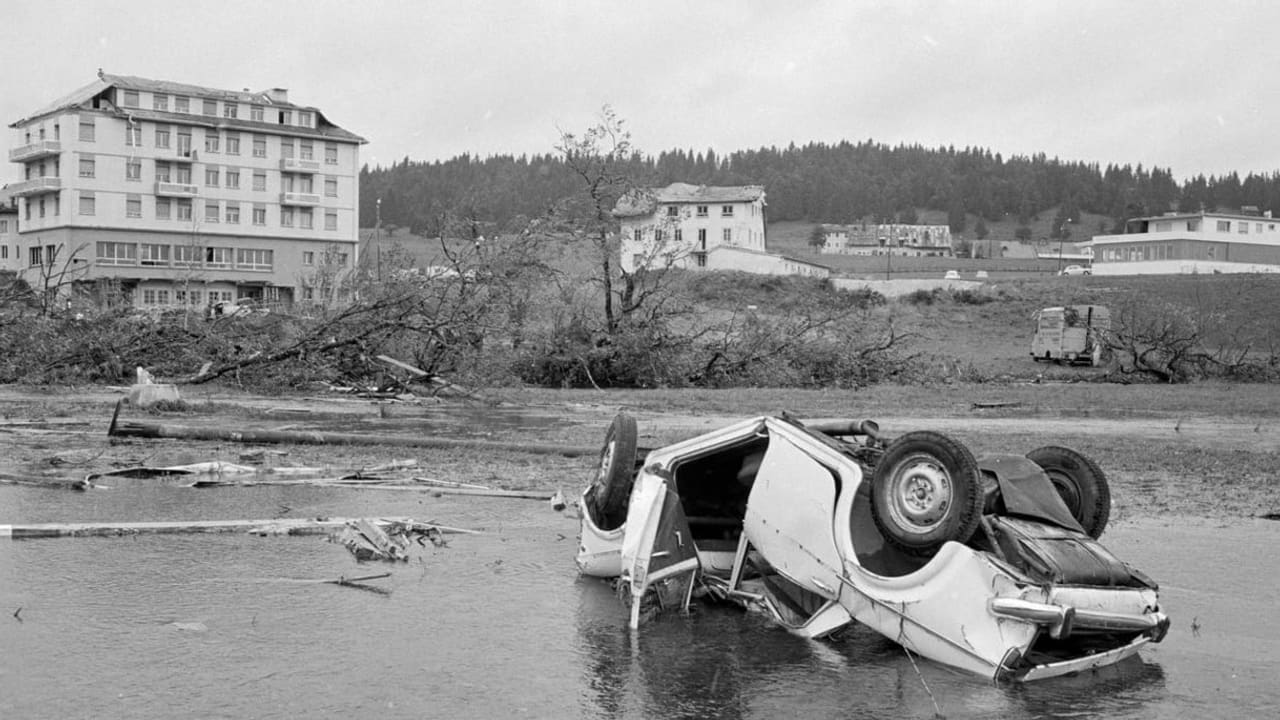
x=1071, y=334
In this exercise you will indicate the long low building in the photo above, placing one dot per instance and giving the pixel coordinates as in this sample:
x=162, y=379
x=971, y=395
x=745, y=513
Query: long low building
x=1187, y=243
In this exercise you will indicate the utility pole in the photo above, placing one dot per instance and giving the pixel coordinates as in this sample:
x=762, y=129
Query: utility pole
x=377, y=238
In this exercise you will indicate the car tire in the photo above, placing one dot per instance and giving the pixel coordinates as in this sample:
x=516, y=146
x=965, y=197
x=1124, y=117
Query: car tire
x=1080, y=483
x=615, y=472
x=926, y=490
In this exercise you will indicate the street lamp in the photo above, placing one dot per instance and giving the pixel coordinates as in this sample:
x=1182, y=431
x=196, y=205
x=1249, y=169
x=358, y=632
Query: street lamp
x=1062, y=235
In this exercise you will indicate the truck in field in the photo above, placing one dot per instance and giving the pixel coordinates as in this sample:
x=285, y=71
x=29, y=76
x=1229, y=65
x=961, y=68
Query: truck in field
x=1071, y=334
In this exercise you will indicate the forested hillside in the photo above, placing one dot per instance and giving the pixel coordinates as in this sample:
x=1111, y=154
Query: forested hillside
x=817, y=182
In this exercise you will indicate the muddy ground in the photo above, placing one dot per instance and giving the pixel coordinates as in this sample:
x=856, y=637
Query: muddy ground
x=1190, y=455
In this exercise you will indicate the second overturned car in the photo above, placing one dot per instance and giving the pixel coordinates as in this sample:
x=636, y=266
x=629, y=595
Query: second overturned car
x=990, y=564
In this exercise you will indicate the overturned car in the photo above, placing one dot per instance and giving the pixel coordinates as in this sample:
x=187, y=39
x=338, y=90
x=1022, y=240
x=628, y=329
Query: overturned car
x=988, y=564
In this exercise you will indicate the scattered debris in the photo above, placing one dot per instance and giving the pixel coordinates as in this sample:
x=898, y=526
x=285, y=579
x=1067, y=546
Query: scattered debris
x=17, y=614
x=369, y=542
x=557, y=501
x=146, y=392
x=286, y=526
x=440, y=384
x=191, y=626
x=357, y=583
x=989, y=405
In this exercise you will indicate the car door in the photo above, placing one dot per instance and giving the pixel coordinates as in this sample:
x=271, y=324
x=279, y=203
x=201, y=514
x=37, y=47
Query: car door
x=659, y=558
x=791, y=514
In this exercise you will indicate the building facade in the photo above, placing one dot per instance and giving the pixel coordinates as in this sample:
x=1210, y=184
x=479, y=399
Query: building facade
x=164, y=193
x=9, y=248
x=728, y=257
x=679, y=225
x=1182, y=243
x=888, y=238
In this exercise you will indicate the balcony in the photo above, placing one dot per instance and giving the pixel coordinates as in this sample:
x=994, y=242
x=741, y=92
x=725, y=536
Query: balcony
x=35, y=186
x=299, y=166
x=298, y=198
x=172, y=189
x=35, y=151
x=184, y=155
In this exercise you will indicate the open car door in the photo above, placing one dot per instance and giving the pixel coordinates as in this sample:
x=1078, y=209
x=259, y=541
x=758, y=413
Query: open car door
x=788, y=553
x=660, y=562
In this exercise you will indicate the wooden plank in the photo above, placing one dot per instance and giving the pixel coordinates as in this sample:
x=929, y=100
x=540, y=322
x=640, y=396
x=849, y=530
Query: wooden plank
x=288, y=526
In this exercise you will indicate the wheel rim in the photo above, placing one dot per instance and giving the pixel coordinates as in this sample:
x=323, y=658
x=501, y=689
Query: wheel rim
x=1066, y=490
x=920, y=493
x=606, y=459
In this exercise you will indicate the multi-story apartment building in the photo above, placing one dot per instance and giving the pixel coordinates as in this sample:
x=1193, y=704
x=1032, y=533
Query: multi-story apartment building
x=179, y=194
x=1203, y=242
x=8, y=234
x=679, y=225
x=888, y=238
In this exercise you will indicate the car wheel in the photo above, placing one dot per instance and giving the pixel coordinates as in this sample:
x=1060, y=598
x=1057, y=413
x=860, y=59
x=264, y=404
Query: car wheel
x=615, y=472
x=926, y=490
x=1081, y=484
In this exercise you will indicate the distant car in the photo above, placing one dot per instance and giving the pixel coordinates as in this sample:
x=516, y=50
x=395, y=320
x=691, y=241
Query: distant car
x=1075, y=270
x=951, y=275
x=981, y=274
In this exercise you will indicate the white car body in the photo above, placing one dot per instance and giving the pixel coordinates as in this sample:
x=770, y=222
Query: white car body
x=808, y=552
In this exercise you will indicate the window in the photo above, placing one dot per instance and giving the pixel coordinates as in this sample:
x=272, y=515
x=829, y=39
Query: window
x=87, y=166
x=212, y=211
x=305, y=219
x=42, y=206
x=182, y=174
x=250, y=259
x=259, y=146
x=211, y=177
x=727, y=235
x=4, y=228
x=162, y=137
x=133, y=206
x=184, y=208
x=308, y=257
x=304, y=118
x=181, y=104
x=36, y=255
x=286, y=147
x=87, y=130
x=233, y=143
x=1193, y=225
x=259, y=180
x=285, y=117
x=331, y=221
x=1224, y=226
x=160, y=101
x=184, y=143
x=286, y=217
x=1242, y=228
x=211, y=142
x=679, y=235
x=702, y=239
x=117, y=253
x=700, y=260
x=255, y=113
x=305, y=150
x=637, y=235
x=657, y=237
x=259, y=214
x=217, y=258
x=133, y=135
x=131, y=98
x=4, y=252
x=229, y=110
x=162, y=208
x=726, y=211
x=187, y=255
x=162, y=171
x=331, y=187
x=673, y=211
x=233, y=213
x=233, y=178
x=330, y=154
x=133, y=170
x=304, y=184
x=154, y=255
x=211, y=107
x=87, y=203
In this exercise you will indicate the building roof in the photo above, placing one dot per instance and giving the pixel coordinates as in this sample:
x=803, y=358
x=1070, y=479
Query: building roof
x=644, y=202
x=765, y=253
x=276, y=97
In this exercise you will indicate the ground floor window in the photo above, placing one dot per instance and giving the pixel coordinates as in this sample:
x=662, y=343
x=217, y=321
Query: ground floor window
x=251, y=259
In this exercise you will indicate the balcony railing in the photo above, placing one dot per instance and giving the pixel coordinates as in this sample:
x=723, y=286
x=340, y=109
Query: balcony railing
x=299, y=166
x=184, y=155
x=35, y=150
x=35, y=186
x=172, y=189
x=298, y=198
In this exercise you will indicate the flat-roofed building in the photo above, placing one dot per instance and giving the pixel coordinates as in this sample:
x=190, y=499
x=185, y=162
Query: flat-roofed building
x=179, y=194
x=1184, y=243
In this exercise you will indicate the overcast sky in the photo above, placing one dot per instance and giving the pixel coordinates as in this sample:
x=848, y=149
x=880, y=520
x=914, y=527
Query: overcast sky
x=1188, y=86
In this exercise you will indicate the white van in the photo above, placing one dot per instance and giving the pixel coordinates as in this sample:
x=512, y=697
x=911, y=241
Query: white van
x=1071, y=334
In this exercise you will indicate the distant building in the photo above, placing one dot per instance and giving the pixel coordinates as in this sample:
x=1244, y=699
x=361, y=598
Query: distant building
x=1183, y=243
x=9, y=249
x=178, y=194
x=679, y=225
x=888, y=238
x=726, y=257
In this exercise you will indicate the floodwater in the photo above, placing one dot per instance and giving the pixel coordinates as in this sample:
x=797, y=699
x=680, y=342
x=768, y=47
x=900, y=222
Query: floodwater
x=500, y=625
